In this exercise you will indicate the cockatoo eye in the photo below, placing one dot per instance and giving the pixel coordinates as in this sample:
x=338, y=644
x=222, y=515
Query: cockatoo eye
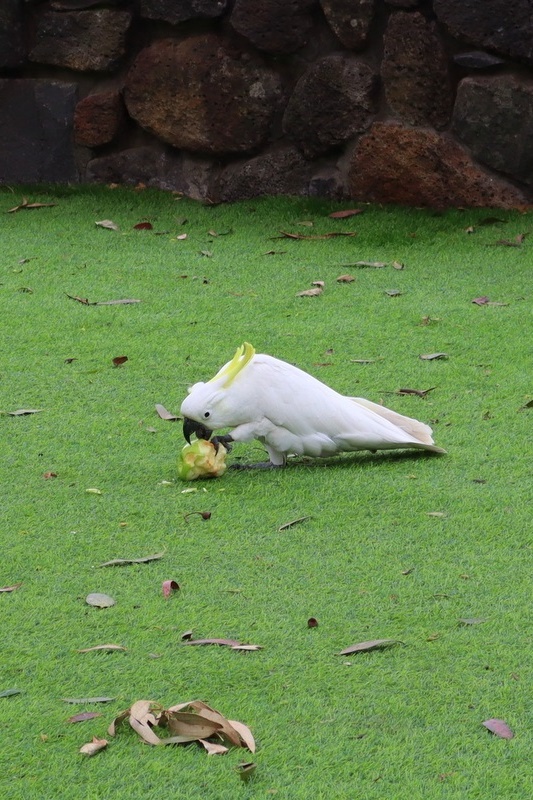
x=207, y=414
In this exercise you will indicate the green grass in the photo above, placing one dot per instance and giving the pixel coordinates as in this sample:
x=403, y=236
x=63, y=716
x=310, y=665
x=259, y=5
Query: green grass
x=403, y=723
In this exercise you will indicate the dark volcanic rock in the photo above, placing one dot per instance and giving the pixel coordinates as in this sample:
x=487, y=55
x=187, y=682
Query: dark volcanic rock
x=98, y=118
x=494, y=117
x=505, y=26
x=283, y=171
x=275, y=26
x=349, y=20
x=200, y=95
x=175, y=11
x=12, y=49
x=418, y=167
x=159, y=167
x=81, y=40
x=332, y=101
x=414, y=71
x=36, y=135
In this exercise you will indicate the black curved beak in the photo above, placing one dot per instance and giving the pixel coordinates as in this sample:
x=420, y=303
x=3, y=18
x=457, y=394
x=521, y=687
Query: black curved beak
x=190, y=426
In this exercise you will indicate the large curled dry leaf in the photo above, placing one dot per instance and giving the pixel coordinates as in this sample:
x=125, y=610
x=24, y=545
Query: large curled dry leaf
x=365, y=647
x=26, y=206
x=84, y=716
x=499, y=728
x=107, y=223
x=108, y=648
x=193, y=721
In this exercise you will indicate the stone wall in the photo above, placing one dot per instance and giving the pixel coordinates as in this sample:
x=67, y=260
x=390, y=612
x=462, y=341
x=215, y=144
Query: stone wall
x=421, y=102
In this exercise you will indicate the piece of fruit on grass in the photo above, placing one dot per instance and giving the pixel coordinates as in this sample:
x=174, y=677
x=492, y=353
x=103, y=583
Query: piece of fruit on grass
x=201, y=459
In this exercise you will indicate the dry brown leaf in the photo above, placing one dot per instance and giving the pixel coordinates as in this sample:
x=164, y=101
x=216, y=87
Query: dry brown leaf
x=249, y=647
x=293, y=522
x=499, y=728
x=24, y=412
x=93, y=747
x=418, y=392
x=12, y=588
x=345, y=279
x=245, y=734
x=124, y=301
x=433, y=356
x=393, y=292
x=164, y=414
x=312, y=622
x=369, y=264
x=143, y=226
x=83, y=700
x=145, y=731
x=170, y=586
x=347, y=212
x=28, y=206
x=365, y=647
x=48, y=475
x=310, y=292
x=108, y=224
x=287, y=235
x=100, y=600
x=193, y=726
x=121, y=562
x=226, y=730
x=84, y=716
x=221, y=642
x=212, y=748
x=119, y=360
x=107, y=647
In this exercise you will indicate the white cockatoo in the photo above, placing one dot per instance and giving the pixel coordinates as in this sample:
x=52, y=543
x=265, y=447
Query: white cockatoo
x=290, y=412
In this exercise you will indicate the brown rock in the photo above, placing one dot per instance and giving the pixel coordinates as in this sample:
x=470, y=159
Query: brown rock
x=419, y=167
x=175, y=12
x=275, y=26
x=332, y=101
x=98, y=119
x=201, y=95
x=349, y=20
x=504, y=26
x=415, y=72
x=81, y=40
x=493, y=116
x=281, y=171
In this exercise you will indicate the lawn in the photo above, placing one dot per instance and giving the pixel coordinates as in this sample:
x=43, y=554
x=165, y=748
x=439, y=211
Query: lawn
x=431, y=551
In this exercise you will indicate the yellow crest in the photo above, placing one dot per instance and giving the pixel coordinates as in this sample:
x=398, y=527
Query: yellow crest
x=242, y=356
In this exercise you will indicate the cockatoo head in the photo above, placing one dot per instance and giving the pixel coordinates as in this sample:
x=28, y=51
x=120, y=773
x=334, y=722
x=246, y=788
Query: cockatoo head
x=210, y=406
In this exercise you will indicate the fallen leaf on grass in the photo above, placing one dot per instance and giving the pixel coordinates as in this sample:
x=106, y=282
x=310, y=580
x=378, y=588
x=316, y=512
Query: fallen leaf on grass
x=347, y=212
x=365, y=647
x=107, y=223
x=85, y=302
x=418, y=392
x=25, y=205
x=233, y=643
x=293, y=522
x=93, y=490
x=202, y=514
x=170, y=586
x=393, y=292
x=23, y=412
x=84, y=716
x=310, y=292
x=119, y=360
x=100, y=600
x=107, y=647
x=93, y=747
x=345, y=279
x=499, y=728
x=186, y=722
x=143, y=226
x=287, y=235
x=48, y=475
x=213, y=748
x=121, y=562
x=436, y=513
x=529, y=404
x=370, y=264
x=12, y=588
x=10, y=692
x=471, y=621
x=164, y=414
x=81, y=701
x=312, y=622
x=433, y=356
